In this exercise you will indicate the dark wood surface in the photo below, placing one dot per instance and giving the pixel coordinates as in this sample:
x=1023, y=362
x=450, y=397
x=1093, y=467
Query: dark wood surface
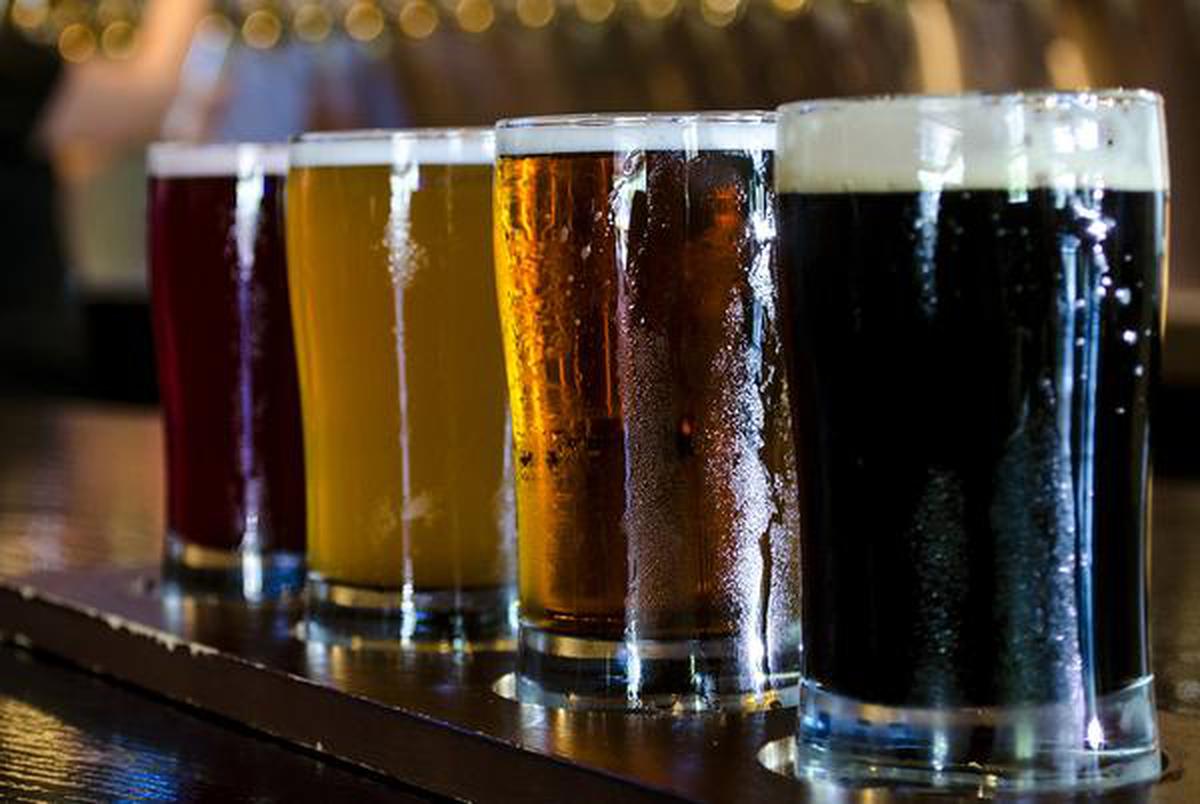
x=80, y=518
x=70, y=491
x=67, y=735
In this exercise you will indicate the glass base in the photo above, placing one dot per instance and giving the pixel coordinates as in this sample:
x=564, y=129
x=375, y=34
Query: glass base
x=190, y=569
x=439, y=619
x=1048, y=748
x=653, y=675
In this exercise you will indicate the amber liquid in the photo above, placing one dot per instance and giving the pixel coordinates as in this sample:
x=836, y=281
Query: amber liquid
x=655, y=476
x=401, y=376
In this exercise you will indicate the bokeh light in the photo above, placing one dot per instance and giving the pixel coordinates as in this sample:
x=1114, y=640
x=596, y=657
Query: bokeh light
x=312, y=22
x=118, y=40
x=788, y=8
x=77, y=43
x=262, y=29
x=475, y=16
x=536, y=13
x=364, y=21
x=719, y=13
x=595, y=11
x=30, y=14
x=418, y=19
x=658, y=9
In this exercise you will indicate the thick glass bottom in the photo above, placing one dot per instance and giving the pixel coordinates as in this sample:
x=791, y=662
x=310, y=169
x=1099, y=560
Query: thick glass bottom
x=439, y=619
x=1026, y=749
x=244, y=575
x=669, y=675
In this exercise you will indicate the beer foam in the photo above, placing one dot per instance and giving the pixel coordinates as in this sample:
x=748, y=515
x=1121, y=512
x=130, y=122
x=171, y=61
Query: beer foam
x=429, y=146
x=707, y=131
x=1114, y=139
x=179, y=159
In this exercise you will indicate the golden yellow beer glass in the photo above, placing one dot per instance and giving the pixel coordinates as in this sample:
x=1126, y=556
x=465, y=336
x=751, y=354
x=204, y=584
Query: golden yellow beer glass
x=407, y=454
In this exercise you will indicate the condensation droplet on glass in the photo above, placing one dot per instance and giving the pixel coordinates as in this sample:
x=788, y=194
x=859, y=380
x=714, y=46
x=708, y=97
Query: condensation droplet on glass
x=1079, y=341
x=1138, y=370
x=1129, y=336
x=1106, y=281
x=1080, y=303
x=1120, y=411
x=1127, y=257
x=1123, y=295
x=585, y=252
x=564, y=234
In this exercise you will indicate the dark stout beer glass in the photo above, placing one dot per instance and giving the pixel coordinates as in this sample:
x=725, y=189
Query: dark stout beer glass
x=227, y=372
x=655, y=474
x=974, y=290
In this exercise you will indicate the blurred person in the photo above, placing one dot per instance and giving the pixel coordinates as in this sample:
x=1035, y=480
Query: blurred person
x=54, y=112
x=273, y=94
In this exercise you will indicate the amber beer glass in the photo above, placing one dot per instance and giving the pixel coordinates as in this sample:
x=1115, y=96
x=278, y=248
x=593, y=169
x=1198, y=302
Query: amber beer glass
x=974, y=288
x=226, y=369
x=402, y=384
x=658, y=556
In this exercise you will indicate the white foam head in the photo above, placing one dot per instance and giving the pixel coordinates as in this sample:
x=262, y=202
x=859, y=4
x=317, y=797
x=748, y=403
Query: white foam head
x=427, y=146
x=182, y=160
x=624, y=133
x=1114, y=139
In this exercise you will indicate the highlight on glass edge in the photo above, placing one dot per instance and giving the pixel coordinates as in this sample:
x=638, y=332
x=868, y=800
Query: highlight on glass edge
x=974, y=292
x=227, y=373
x=408, y=458
x=654, y=469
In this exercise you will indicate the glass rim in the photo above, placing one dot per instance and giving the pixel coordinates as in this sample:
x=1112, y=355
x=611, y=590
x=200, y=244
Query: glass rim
x=750, y=130
x=1050, y=98
x=389, y=134
x=463, y=145
x=182, y=159
x=607, y=120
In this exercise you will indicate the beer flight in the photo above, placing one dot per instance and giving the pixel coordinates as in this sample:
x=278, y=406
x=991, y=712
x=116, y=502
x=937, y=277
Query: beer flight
x=844, y=408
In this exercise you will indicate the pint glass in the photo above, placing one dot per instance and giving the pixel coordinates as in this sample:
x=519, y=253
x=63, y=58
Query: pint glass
x=402, y=385
x=227, y=372
x=654, y=468
x=973, y=291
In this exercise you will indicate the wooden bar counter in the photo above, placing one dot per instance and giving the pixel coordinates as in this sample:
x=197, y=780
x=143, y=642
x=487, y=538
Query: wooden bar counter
x=80, y=532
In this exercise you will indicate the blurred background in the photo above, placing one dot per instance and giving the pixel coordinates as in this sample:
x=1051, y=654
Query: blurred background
x=86, y=84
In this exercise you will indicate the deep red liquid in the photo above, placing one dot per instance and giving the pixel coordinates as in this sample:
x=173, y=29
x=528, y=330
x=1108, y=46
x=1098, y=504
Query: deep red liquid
x=226, y=366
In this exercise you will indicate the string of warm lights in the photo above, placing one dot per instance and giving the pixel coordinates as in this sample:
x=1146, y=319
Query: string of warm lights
x=85, y=28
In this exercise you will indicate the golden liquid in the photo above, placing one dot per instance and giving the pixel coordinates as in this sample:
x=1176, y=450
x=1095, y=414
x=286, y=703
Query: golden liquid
x=655, y=471
x=401, y=376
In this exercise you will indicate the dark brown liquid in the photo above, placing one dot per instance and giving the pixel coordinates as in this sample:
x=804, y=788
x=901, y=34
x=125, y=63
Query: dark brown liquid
x=654, y=467
x=227, y=371
x=971, y=373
